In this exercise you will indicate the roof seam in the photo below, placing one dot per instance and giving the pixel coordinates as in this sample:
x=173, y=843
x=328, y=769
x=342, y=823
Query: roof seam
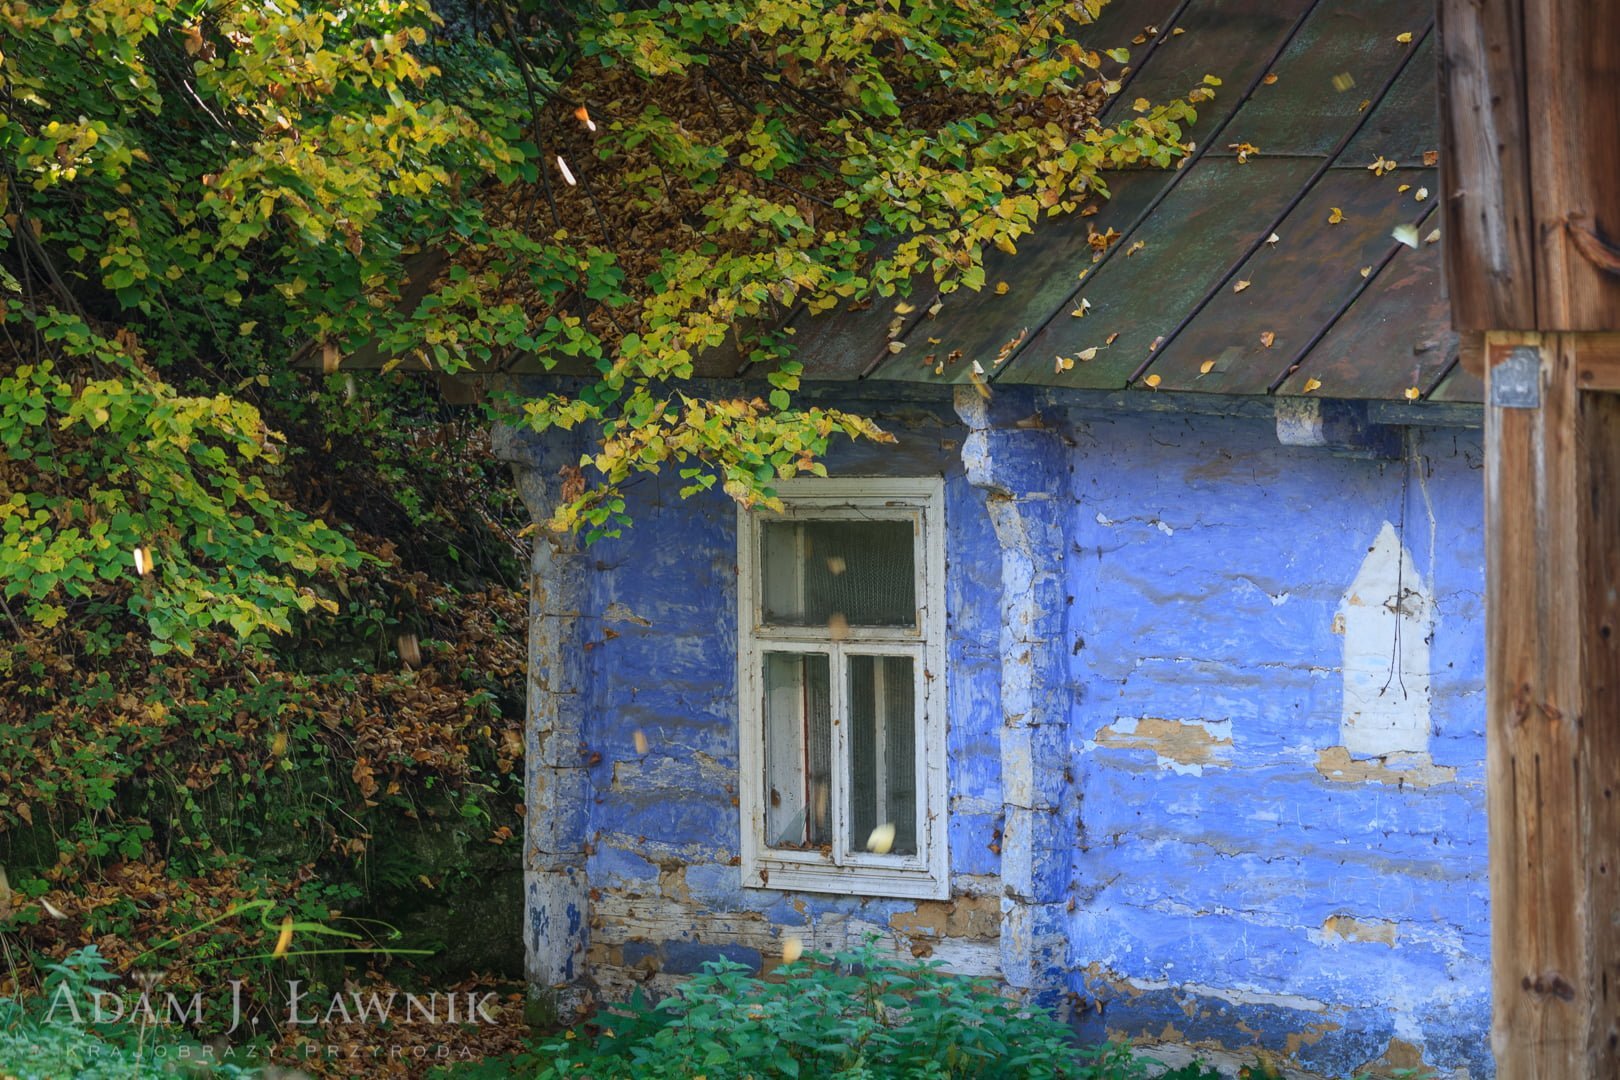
x=1182, y=170
x=1304, y=353
x=882, y=356
x=1282, y=215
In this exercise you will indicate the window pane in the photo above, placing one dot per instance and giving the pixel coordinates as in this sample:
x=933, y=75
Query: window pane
x=863, y=571
x=798, y=750
x=882, y=750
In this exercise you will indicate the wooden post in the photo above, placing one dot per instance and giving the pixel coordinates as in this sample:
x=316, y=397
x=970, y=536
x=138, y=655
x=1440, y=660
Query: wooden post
x=1600, y=530
x=1552, y=506
x=1531, y=188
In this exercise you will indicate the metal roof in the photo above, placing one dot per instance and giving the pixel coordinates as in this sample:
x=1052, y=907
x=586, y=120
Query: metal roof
x=1335, y=308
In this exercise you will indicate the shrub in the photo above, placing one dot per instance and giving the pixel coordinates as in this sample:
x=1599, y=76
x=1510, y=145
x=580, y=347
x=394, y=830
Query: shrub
x=36, y=1044
x=855, y=1015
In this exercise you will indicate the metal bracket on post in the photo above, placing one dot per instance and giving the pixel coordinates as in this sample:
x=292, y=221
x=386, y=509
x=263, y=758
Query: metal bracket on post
x=1516, y=382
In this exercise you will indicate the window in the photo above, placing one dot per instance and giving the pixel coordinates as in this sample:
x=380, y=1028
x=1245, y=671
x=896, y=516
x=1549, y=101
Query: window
x=841, y=668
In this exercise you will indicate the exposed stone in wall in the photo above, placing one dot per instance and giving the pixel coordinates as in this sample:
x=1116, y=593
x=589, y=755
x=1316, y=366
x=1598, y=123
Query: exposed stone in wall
x=556, y=893
x=1179, y=745
x=1022, y=469
x=1416, y=770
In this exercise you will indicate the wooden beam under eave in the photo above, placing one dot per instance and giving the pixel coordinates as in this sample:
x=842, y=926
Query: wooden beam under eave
x=1598, y=363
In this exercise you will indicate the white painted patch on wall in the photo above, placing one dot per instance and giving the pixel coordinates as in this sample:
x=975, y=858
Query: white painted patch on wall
x=1386, y=617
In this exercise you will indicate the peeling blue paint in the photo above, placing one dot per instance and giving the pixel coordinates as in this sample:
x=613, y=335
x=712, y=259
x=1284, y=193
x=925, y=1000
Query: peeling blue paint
x=1156, y=799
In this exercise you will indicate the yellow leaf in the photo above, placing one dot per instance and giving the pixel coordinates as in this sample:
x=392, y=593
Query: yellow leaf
x=1109, y=340
x=1343, y=81
x=1153, y=381
x=1240, y=286
x=1273, y=238
x=1432, y=237
x=1413, y=393
x=1001, y=288
x=1403, y=189
x=1312, y=384
x=1134, y=248
x=1206, y=367
x=1089, y=354
x=285, y=939
x=1177, y=32
x=1063, y=364
x=1267, y=337
x=1406, y=234
x=1271, y=77
x=1366, y=271
x=1422, y=193
x=1404, y=39
x=976, y=377
x=1335, y=215
x=1141, y=104
x=897, y=346
x=1080, y=311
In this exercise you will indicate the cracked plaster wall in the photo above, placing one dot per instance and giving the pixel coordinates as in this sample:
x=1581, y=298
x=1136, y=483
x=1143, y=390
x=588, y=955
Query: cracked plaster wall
x=1145, y=676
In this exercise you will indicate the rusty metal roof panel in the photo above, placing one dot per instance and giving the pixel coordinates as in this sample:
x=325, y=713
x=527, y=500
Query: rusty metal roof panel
x=1159, y=301
x=1252, y=335
x=1395, y=337
x=1140, y=294
x=976, y=325
x=1237, y=39
x=1343, y=44
x=1405, y=125
x=1234, y=40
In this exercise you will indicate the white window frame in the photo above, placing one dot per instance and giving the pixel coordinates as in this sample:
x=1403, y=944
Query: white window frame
x=925, y=875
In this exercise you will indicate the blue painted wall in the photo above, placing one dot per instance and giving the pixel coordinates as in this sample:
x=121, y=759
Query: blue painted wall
x=1345, y=913
x=1230, y=882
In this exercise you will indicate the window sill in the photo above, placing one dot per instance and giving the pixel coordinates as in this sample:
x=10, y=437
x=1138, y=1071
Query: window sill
x=848, y=881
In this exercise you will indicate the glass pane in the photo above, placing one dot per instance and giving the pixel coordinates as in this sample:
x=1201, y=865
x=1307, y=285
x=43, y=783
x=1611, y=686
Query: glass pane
x=817, y=572
x=798, y=750
x=882, y=750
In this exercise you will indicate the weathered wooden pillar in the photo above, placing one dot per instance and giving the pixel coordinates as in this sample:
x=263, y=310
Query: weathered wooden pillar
x=1531, y=187
x=1552, y=505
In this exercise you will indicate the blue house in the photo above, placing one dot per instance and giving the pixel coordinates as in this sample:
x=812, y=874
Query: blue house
x=1144, y=672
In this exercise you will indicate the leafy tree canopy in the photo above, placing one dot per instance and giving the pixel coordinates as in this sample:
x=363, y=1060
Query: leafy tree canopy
x=199, y=191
